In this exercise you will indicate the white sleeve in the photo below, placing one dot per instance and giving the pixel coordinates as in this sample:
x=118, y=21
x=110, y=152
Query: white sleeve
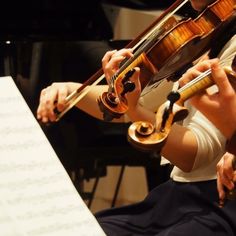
x=210, y=140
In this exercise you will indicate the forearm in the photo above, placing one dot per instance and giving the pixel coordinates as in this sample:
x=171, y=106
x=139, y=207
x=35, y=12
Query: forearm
x=89, y=105
x=72, y=86
x=180, y=148
x=89, y=102
x=140, y=113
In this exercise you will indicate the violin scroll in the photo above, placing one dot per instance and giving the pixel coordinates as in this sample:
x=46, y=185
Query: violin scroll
x=142, y=136
x=146, y=137
x=113, y=103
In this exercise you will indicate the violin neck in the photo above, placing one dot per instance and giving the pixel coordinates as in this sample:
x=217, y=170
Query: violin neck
x=202, y=82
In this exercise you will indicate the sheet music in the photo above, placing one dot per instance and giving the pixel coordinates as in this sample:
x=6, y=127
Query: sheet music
x=37, y=195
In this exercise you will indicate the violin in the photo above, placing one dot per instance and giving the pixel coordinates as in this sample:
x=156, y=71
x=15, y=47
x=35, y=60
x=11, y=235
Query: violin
x=162, y=56
x=147, y=137
x=164, y=21
x=164, y=49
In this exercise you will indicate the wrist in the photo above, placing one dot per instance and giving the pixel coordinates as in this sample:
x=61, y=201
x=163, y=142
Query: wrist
x=139, y=113
x=133, y=112
x=73, y=86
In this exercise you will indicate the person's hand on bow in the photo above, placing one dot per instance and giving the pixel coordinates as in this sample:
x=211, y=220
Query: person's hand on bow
x=54, y=97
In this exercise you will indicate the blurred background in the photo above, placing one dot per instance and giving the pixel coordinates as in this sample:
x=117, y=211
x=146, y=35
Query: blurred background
x=64, y=40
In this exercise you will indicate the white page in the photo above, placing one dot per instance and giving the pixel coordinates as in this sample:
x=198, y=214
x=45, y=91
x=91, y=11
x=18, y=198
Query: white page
x=37, y=197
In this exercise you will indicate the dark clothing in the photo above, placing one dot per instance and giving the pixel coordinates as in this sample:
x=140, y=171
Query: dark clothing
x=173, y=209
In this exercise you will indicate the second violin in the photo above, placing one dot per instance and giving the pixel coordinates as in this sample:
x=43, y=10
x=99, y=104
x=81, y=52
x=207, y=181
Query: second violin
x=147, y=137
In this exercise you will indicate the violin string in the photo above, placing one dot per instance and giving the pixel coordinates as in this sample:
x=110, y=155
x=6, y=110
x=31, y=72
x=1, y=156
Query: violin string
x=192, y=82
x=204, y=74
